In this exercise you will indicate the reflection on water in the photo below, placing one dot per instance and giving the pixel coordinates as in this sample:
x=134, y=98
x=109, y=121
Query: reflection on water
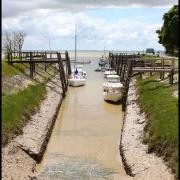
x=85, y=140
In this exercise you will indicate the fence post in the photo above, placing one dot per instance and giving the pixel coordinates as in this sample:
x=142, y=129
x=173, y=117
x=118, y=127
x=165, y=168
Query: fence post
x=68, y=63
x=62, y=75
x=126, y=84
x=31, y=65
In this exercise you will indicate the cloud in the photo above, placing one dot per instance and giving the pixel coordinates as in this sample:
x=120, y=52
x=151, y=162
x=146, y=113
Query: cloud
x=92, y=32
x=12, y=8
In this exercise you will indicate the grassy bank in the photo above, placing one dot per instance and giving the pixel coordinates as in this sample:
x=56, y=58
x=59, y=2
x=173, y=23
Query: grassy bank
x=11, y=70
x=161, y=130
x=17, y=108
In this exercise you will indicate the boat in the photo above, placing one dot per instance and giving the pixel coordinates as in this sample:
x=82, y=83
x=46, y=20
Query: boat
x=78, y=76
x=112, y=88
x=98, y=69
x=112, y=95
x=77, y=80
x=80, y=71
x=109, y=72
x=112, y=81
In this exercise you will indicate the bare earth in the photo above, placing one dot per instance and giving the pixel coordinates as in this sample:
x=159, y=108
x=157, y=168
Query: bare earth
x=19, y=157
x=143, y=165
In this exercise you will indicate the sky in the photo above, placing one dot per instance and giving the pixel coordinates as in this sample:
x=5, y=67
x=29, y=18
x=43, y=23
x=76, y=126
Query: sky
x=114, y=24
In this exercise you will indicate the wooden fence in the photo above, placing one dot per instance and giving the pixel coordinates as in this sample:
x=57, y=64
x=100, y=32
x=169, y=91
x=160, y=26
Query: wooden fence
x=129, y=65
x=46, y=57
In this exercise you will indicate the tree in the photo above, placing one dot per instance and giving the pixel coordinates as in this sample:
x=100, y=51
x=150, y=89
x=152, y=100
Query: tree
x=169, y=33
x=7, y=43
x=13, y=42
x=20, y=40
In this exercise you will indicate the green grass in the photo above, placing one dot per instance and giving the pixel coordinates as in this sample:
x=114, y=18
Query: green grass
x=17, y=108
x=11, y=70
x=161, y=130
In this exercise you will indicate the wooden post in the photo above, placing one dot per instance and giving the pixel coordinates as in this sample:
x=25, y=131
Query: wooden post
x=161, y=73
x=68, y=63
x=34, y=67
x=126, y=84
x=118, y=64
x=45, y=65
x=152, y=67
x=172, y=71
x=124, y=68
x=109, y=58
x=171, y=76
x=62, y=75
x=31, y=65
x=121, y=64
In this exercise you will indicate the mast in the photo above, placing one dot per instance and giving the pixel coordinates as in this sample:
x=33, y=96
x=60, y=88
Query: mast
x=49, y=44
x=75, y=43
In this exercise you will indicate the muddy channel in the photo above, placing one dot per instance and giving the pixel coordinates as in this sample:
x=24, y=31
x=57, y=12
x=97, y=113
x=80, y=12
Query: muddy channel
x=84, y=143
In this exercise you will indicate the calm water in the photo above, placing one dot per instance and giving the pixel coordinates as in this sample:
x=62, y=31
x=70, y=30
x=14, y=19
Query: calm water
x=84, y=144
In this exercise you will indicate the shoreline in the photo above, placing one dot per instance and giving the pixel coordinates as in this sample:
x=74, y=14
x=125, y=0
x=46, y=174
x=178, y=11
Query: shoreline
x=137, y=162
x=26, y=150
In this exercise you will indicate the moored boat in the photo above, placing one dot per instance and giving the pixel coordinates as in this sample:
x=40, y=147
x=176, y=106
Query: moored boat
x=109, y=72
x=78, y=76
x=77, y=80
x=112, y=95
x=112, y=88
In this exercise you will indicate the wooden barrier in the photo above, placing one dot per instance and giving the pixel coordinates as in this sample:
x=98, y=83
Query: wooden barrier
x=130, y=65
x=45, y=57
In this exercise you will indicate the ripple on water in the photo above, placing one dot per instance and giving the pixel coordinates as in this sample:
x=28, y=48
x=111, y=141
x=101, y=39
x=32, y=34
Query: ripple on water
x=75, y=168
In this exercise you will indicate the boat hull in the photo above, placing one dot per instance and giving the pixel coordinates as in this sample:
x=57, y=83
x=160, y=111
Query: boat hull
x=77, y=82
x=114, y=97
x=106, y=73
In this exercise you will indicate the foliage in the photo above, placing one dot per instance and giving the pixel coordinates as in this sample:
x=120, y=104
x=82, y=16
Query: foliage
x=17, y=108
x=10, y=70
x=161, y=130
x=169, y=32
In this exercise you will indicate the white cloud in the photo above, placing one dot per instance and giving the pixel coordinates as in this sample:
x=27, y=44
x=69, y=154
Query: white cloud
x=18, y=7
x=42, y=21
x=92, y=32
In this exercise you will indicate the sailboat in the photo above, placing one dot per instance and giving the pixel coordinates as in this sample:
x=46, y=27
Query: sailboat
x=78, y=76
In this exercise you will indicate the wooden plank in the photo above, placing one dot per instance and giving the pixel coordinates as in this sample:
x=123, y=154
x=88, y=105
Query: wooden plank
x=37, y=61
x=154, y=70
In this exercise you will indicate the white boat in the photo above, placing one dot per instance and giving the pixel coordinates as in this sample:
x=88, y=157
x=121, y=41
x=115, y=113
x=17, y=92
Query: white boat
x=112, y=95
x=77, y=80
x=113, y=81
x=78, y=76
x=79, y=69
x=109, y=72
x=112, y=88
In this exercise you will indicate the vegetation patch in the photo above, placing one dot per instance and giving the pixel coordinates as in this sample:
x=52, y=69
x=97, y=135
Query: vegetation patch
x=17, y=108
x=11, y=70
x=161, y=130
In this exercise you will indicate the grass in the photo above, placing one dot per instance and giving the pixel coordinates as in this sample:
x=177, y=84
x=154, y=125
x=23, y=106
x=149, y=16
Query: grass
x=17, y=108
x=11, y=70
x=161, y=130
